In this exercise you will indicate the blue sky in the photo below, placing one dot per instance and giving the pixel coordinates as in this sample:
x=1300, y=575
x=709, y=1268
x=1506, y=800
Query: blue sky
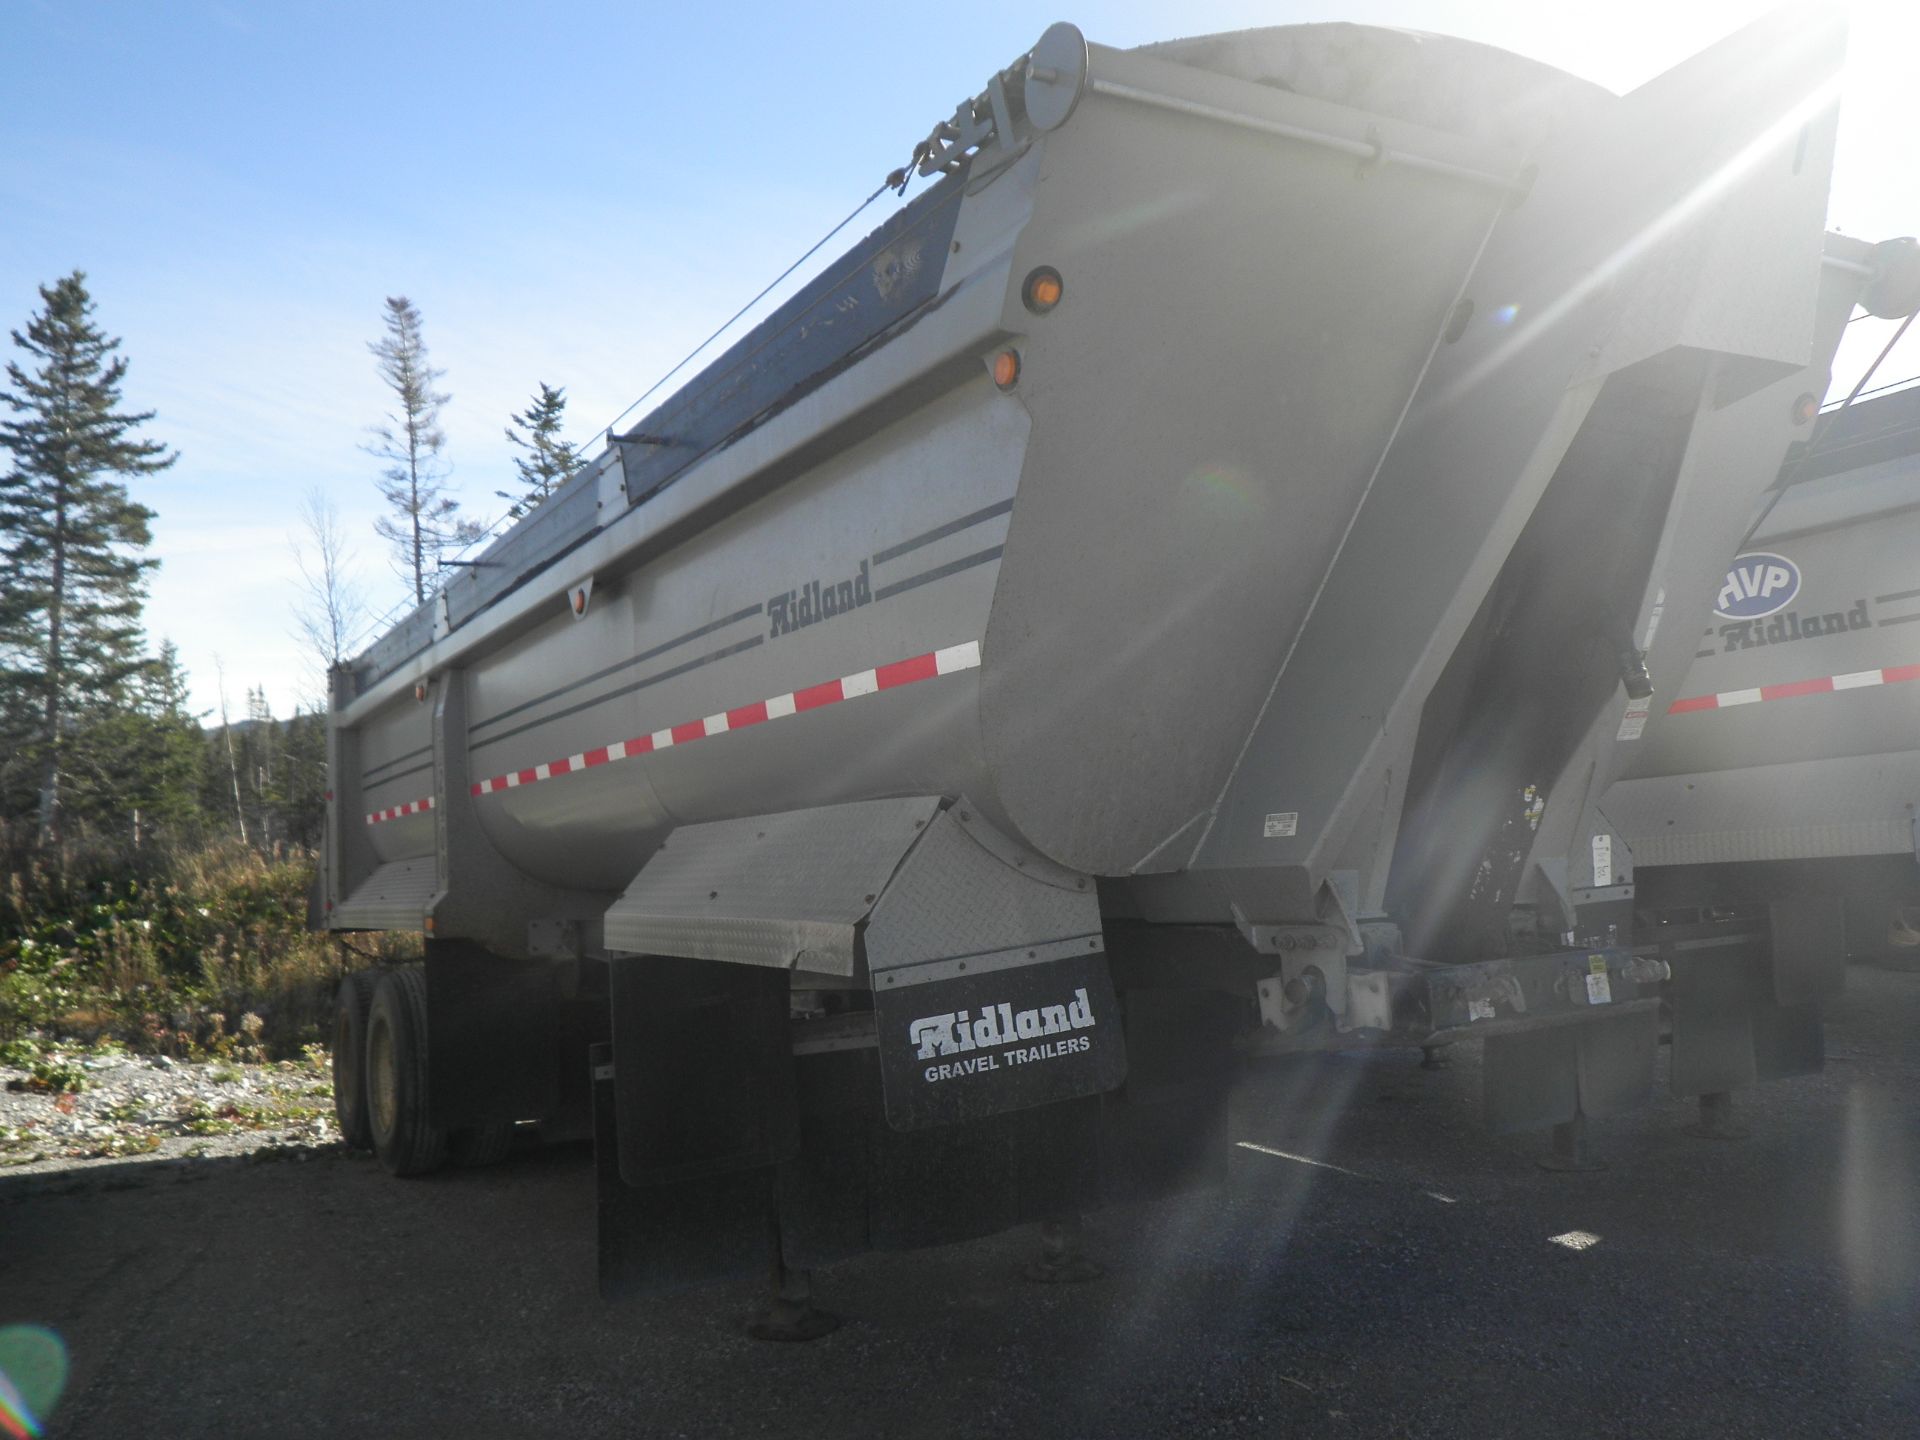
x=571, y=193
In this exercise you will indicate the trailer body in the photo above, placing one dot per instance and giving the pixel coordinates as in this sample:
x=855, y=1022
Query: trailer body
x=1099, y=627
x=1788, y=758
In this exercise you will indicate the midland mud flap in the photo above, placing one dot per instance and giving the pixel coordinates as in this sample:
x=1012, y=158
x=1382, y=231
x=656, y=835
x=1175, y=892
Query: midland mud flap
x=968, y=1098
x=979, y=1107
x=989, y=977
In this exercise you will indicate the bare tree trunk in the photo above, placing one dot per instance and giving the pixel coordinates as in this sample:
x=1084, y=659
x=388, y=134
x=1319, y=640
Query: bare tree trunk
x=419, y=546
x=56, y=677
x=233, y=765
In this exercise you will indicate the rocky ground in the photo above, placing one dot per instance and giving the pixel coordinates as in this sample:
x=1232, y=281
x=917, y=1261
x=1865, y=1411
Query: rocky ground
x=73, y=1107
x=1377, y=1266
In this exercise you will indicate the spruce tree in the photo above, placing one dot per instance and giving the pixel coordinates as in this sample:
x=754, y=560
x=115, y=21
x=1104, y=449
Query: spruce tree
x=425, y=520
x=72, y=571
x=549, y=459
x=138, y=764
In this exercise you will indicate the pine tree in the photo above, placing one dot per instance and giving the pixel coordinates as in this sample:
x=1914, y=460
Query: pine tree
x=74, y=578
x=549, y=459
x=425, y=520
x=298, y=795
x=138, y=764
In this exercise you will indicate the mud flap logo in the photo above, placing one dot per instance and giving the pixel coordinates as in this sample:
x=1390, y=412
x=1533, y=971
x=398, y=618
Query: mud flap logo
x=999, y=1025
x=978, y=1045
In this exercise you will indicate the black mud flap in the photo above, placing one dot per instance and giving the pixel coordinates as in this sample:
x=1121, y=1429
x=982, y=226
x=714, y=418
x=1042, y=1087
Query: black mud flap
x=492, y=1028
x=670, y=1237
x=1600, y=1067
x=972, y=1046
x=1729, y=1028
x=703, y=1068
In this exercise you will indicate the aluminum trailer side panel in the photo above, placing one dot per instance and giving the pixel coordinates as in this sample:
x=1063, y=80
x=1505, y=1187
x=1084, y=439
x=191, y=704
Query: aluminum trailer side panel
x=733, y=621
x=1295, y=409
x=1793, y=735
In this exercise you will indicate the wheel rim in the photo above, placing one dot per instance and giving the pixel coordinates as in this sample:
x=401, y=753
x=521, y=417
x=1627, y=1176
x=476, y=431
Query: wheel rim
x=383, y=1087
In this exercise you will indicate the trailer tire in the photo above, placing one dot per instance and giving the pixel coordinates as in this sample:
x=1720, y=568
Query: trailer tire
x=404, y=1139
x=480, y=1145
x=350, y=1007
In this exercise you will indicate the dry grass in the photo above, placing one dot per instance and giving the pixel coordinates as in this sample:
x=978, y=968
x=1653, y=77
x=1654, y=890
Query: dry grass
x=186, y=951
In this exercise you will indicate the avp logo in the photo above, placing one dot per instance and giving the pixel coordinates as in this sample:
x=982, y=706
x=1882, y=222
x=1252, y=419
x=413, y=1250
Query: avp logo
x=1758, y=584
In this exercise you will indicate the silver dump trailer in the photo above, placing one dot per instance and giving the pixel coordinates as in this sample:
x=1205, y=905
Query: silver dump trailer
x=1098, y=630
x=1788, y=762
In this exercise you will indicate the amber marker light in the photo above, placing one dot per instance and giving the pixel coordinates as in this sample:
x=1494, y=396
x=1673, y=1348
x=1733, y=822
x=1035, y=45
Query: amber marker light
x=1006, y=368
x=579, y=602
x=1043, y=290
x=1805, y=408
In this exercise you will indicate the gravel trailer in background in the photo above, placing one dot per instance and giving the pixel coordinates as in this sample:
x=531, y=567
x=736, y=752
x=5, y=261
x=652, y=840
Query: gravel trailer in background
x=1098, y=629
x=1789, y=761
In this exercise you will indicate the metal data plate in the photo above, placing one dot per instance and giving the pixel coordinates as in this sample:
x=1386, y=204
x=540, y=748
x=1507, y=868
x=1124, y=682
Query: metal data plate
x=978, y=1045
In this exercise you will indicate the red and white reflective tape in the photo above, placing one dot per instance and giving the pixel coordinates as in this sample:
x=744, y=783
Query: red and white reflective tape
x=1825, y=685
x=848, y=687
x=412, y=807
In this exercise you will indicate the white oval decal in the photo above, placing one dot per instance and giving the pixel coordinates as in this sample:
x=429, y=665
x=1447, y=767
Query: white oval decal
x=1759, y=583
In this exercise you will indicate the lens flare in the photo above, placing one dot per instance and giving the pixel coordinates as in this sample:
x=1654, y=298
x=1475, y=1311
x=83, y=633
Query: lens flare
x=33, y=1372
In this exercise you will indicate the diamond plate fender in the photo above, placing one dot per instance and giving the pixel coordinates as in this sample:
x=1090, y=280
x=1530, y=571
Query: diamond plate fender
x=989, y=973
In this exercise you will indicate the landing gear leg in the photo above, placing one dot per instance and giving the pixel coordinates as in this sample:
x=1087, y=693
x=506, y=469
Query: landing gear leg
x=1570, y=1154
x=1062, y=1259
x=790, y=1315
x=1717, y=1121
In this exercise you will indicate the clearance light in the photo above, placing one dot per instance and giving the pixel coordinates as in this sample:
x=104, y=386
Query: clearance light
x=1006, y=368
x=579, y=602
x=1805, y=408
x=1043, y=290
x=420, y=690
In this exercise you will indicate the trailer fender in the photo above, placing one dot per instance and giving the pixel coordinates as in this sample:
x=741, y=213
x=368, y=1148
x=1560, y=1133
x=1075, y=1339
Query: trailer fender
x=986, y=962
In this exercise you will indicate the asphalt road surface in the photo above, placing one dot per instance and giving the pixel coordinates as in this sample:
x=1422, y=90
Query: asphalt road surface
x=1378, y=1267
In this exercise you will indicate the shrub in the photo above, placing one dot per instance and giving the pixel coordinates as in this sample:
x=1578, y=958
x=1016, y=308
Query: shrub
x=156, y=948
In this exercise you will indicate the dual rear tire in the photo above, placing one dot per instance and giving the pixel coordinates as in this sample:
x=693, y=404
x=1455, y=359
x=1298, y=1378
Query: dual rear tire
x=380, y=1078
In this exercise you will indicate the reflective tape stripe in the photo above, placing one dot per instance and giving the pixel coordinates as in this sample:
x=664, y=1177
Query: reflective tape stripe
x=890, y=676
x=412, y=807
x=1793, y=689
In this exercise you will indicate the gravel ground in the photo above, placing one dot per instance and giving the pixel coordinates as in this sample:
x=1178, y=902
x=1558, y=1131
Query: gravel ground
x=138, y=1106
x=1420, y=1279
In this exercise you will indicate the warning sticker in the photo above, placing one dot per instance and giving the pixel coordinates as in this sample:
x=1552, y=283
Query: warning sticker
x=1633, y=723
x=1479, y=1010
x=1599, y=992
x=1602, y=860
x=1282, y=822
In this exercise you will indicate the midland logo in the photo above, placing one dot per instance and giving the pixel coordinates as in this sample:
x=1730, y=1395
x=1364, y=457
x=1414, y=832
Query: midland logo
x=1763, y=584
x=818, y=600
x=957, y=1033
x=1757, y=586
